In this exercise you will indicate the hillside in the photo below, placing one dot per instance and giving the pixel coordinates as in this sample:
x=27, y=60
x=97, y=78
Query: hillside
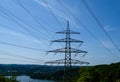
x=99, y=73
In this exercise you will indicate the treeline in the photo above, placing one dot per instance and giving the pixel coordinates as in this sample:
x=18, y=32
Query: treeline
x=16, y=69
x=99, y=73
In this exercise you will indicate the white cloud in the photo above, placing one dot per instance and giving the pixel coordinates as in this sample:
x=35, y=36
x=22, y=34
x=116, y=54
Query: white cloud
x=108, y=28
x=108, y=44
x=60, y=12
x=41, y=3
x=56, y=11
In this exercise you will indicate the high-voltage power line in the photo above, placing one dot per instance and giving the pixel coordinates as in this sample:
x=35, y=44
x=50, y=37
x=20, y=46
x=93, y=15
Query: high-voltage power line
x=68, y=50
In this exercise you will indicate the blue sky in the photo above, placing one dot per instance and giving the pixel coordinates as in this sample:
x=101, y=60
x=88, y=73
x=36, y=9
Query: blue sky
x=33, y=23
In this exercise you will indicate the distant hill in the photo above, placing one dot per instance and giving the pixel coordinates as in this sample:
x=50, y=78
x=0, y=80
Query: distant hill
x=9, y=69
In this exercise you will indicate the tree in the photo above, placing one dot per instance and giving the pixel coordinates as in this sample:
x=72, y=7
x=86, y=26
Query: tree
x=4, y=79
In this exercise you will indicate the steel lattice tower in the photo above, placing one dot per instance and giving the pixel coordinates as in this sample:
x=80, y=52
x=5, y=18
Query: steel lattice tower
x=67, y=61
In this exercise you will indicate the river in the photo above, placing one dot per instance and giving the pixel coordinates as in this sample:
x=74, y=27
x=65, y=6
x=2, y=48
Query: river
x=24, y=78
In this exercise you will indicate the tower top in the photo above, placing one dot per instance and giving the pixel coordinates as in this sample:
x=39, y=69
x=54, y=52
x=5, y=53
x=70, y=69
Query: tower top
x=68, y=28
x=68, y=31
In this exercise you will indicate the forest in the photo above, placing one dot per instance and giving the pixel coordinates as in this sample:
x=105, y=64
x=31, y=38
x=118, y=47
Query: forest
x=98, y=73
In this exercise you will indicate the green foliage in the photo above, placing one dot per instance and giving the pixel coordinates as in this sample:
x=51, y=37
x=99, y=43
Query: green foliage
x=100, y=73
x=89, y=75
x=10, y=79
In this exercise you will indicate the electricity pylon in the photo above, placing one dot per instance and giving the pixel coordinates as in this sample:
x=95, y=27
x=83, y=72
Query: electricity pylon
x=68, y=50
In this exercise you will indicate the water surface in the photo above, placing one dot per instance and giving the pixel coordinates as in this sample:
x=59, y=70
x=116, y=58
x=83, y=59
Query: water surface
x=24, y=78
